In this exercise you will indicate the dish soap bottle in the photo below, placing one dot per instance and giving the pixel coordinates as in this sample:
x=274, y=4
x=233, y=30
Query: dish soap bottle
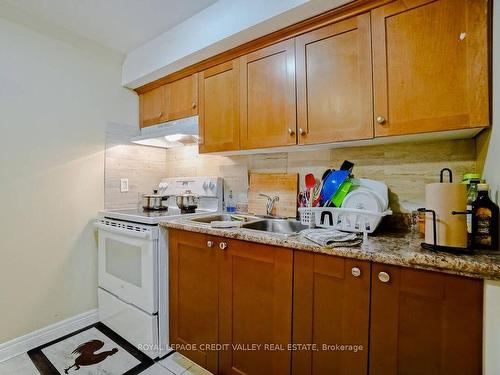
x=231, y=205
x=484, y=221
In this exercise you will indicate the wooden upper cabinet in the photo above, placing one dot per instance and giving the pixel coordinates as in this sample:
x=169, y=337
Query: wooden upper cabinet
x=152, y=107
x=171, y=101
x=219, y=107
x=268, y=110
x=182, y=98
x=193, y=295
x=430, y=66
x=331, y=307
x=334, y=82
x=255, y=308
x=425, y=322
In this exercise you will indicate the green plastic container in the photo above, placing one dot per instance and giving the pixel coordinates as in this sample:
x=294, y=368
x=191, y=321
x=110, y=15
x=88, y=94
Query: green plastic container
x=341, y=192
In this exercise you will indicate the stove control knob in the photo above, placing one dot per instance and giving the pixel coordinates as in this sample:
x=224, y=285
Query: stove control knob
x=205, y=185
x=211, y=185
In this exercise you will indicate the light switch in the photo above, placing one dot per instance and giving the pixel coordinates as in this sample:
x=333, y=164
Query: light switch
x=123, y=185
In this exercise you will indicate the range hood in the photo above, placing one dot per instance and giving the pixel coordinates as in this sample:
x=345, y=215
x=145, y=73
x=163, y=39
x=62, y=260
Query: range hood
x=169, y=134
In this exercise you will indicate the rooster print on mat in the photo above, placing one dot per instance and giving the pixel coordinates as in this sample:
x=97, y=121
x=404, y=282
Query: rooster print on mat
x=87, y=355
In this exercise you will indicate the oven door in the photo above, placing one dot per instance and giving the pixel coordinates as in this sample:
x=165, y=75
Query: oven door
x=128, y=262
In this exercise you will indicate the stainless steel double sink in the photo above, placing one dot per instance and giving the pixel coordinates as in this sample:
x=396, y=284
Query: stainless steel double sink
x=262, y=224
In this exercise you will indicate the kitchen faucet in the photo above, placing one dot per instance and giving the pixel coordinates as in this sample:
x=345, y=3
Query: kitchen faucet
x=270, y=203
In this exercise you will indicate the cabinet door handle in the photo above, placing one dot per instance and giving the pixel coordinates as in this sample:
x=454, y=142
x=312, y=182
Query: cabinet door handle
x=160, y=114
x=193, y=105
x=302, y=131
x=210, y=243
x=291, y=131
x=223, y=245
x=384, y=277
x=380, y=120
x=356, y=272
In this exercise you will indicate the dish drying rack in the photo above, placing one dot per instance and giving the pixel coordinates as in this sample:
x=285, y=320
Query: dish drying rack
x=344, y=219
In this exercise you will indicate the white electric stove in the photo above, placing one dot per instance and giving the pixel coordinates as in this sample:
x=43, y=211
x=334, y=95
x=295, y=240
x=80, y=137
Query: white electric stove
x=133, y=263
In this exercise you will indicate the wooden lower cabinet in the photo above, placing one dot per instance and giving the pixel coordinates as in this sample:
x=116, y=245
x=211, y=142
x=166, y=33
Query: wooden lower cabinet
x=193, y=296
x=255, y=307
x=330, y=308
x=246, y=297
x=238, y=296
x=424, y=322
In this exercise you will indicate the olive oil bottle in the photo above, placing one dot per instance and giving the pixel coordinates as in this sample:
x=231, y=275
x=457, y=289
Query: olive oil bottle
x=484, y=221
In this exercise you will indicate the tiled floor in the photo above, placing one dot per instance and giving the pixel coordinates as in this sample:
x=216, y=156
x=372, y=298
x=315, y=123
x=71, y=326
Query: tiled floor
x=20, y=365
x=175, y=364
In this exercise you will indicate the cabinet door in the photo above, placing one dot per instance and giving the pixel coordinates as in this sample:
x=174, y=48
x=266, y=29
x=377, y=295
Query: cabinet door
x=430, y=66
x=425, y=322
x=268, y=110
x=193, y=289
x=219, y=108
x=255, y=308
x=334, y=82
x=330, y=307
x=182, y=98
x=152, y=107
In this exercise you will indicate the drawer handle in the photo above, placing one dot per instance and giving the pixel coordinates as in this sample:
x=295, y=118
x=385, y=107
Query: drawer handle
x=356, y=272
x=210, y=243
x=384, y=277
x=223, y=245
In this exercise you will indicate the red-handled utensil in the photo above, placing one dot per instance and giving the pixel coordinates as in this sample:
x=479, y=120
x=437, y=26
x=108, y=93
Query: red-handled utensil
x=310, y=184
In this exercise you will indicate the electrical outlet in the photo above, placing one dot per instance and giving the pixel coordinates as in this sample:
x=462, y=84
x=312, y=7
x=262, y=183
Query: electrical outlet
x=123, y=185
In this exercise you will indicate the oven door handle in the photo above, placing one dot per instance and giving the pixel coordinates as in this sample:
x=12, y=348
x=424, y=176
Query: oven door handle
x=126, y=232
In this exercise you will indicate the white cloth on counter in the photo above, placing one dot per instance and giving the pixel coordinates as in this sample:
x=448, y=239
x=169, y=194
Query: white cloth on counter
x=332, y=237
x=225, y=224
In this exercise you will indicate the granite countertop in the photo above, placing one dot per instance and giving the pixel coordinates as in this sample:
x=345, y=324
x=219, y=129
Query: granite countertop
x=400, y=248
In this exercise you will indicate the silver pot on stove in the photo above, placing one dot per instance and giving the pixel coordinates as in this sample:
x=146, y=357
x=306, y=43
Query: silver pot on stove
x=187, y=202
x=154, y=201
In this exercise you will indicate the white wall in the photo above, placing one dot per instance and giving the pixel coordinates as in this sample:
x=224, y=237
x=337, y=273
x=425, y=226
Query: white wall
x=491, y=166
x=55, y=100
x=492, y=174
x=221, y=26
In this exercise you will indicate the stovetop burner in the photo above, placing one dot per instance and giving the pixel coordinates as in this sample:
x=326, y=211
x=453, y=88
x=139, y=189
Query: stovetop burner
x=149, y=209
x=190, y=210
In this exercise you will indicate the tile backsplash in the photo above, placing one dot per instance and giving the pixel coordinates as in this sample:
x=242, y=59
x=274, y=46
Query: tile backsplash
x=143, y=166
x=406, y=168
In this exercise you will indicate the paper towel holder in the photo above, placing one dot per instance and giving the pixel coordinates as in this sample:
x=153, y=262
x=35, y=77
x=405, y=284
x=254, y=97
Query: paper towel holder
x=435, y=246
x=450, y=175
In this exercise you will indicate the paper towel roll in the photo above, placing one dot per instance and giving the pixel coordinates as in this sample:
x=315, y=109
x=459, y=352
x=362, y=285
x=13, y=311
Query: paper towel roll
x=444, y=198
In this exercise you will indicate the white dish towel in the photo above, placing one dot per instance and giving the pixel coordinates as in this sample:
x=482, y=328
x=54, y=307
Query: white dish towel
x=332, y=237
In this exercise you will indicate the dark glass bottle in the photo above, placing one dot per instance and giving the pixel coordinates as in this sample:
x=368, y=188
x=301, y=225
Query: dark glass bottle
x=484, y=221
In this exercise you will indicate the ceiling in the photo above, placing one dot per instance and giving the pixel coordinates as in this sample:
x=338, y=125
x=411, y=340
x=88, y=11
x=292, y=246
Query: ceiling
x=121, y=25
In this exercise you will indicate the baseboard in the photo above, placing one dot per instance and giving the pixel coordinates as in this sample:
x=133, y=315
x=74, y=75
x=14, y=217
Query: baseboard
x=44, y=335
